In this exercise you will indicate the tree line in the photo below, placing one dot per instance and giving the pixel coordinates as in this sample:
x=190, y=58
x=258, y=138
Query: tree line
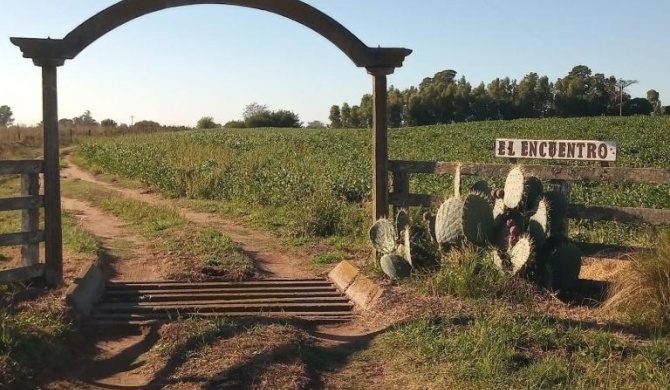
x=444, y=98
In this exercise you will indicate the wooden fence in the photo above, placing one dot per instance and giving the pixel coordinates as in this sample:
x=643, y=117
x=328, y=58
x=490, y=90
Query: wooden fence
x=558, y=174
x=30, y=235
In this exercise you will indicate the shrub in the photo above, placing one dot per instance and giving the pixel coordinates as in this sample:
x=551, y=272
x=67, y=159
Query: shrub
x=207, y=122
x=641, y=292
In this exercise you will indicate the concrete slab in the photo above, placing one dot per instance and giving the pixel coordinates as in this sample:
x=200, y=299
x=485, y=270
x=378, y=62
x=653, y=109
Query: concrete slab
x=343, y=275
x=356, y=286
x=86, y=290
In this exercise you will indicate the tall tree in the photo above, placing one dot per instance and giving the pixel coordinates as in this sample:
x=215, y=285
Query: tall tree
x=85, y=119
x=654, y=99
x=335, y=117
x=254, y=108
x=395, y=106
x=6, y=114
x=346, y=115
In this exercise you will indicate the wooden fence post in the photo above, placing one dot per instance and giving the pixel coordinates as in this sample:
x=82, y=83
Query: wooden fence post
x=30, y=253
x=53, y=245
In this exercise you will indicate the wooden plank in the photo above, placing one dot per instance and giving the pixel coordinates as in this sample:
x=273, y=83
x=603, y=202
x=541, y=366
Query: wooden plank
x=21, y=203
x=546, y=172
x=22, y=274
x=30, y=217
x=410, y=200
x=22, y=238
x=13, y=167
x=619, y=214
x=53, y=246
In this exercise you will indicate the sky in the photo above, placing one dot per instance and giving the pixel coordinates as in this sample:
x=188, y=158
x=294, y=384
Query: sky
x=178, y=65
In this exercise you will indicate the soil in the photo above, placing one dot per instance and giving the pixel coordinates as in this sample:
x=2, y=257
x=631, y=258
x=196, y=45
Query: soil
x=116, y=358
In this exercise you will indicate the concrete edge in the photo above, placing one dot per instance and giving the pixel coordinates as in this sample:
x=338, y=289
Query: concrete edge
x=357, y=287
x=85, y=290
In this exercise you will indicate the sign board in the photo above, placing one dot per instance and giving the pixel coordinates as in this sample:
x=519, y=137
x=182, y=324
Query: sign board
x=556, y=149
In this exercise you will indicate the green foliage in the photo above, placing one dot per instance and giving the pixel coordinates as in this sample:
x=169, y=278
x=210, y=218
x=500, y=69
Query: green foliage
x=107, y=123
x=6, y=116
x=207, y=122
x=281, y=169
x=235, y=125
x=465, y=272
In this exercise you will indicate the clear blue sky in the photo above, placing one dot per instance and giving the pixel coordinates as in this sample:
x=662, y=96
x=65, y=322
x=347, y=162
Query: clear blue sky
x=178, y=65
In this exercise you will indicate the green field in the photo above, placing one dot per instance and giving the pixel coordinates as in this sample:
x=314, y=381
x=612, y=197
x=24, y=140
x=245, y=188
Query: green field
x=318, y=182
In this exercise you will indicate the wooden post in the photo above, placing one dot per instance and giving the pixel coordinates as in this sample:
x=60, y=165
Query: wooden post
x=380, y=188
x=53, y=235
x=30, y=219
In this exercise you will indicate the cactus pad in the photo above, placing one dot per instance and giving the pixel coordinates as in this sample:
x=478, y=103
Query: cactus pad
x=383, y=236
x=481, y=186
x=520, y=254
x=514, y=188
x=395, y=267
x=402, y=220
x=533, y=191
x=499, y=212
x=449, y=221
x=477, y=219
x=538, y=226
x=457, y=181
x=564, y=264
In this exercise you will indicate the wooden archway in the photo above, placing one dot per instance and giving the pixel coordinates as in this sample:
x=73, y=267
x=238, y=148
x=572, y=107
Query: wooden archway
x=52, y=53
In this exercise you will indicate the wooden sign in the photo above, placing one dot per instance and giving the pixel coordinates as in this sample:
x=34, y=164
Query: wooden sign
x=556, y=149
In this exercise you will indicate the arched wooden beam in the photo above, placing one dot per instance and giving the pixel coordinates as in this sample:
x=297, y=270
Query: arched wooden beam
x=56, y=51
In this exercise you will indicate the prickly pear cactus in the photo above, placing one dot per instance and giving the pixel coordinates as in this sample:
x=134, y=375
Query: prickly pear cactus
x=383, y=235
x=477, y=219
x=514, y=188
x=395, y=267
x=532, y=192
x=564, y=264
x=538, y=226
x=402, y=220
x=481, y=187
x=449, y=221
x=520, y=254
x=558, y=213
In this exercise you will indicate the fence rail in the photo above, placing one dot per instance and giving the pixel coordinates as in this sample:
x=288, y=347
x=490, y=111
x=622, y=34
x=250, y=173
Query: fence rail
x=401, y=197
x=29, y=203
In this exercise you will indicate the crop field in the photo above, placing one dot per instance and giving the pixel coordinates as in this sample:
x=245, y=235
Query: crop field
x=318, y=182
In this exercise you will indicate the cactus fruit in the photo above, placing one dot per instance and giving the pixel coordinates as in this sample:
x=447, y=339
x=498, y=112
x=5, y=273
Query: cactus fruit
x=520, y=254
x=395, y=267
x=402, y=221
x=477, y=219
x=449, y=221
x=514, y=188
x=383, y=236
x=538, y=226
x=564, y=264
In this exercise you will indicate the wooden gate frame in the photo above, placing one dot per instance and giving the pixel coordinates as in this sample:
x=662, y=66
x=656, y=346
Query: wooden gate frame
x=52, y=53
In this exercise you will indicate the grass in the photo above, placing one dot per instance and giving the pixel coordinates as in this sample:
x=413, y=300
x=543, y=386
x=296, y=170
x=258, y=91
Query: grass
x=641, y=292
x=503, y=350
x=193, y=251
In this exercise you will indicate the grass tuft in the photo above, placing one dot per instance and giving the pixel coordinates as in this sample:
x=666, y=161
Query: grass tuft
x=641, y=292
